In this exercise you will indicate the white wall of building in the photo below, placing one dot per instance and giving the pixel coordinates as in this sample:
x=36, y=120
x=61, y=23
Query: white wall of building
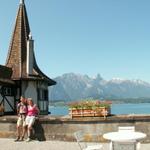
x=42, y=85
x=30, y=90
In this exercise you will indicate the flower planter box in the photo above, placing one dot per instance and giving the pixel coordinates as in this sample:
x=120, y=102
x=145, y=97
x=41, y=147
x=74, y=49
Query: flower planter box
x=90, y=108
x=98, y=112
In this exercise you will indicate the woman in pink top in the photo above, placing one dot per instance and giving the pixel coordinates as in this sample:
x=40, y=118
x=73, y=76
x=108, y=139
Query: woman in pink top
x=33, y=111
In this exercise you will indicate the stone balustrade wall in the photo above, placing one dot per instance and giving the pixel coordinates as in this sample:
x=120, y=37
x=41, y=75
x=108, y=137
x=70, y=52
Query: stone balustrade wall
x=63, y=128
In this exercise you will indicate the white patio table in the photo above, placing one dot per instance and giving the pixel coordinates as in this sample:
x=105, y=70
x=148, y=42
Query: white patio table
x=124, y=136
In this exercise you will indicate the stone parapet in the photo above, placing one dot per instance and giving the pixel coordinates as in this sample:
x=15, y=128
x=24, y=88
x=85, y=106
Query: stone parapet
x=63, y=127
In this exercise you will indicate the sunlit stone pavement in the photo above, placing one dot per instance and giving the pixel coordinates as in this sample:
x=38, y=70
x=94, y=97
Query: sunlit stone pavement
x=9, y=144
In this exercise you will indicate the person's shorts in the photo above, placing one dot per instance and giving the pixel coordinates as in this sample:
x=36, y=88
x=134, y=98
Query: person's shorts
x=21, y=121
x=30, y=120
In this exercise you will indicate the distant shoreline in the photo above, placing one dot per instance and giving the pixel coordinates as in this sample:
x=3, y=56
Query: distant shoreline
x=114, y=101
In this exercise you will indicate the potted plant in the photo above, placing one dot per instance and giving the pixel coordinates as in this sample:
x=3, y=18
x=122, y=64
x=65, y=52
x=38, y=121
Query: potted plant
x=90, y=108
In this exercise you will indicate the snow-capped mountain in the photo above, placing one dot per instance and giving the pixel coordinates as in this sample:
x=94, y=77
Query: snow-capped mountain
x=76, y=86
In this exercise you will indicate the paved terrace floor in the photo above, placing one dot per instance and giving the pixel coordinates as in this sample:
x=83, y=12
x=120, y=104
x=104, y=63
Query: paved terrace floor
x=9, y=144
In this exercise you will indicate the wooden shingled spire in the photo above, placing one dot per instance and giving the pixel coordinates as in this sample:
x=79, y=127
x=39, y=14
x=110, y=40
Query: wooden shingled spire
x=17, y=55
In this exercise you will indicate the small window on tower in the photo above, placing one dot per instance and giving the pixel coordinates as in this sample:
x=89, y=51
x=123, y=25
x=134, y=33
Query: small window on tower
x=42, y=94
x=8, y=91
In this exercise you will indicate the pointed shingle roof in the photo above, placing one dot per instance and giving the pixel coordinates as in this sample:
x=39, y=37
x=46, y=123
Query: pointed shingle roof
x=17, y=55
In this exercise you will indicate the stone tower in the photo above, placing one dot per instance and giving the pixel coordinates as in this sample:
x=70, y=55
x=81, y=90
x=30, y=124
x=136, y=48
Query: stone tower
x=29, y=80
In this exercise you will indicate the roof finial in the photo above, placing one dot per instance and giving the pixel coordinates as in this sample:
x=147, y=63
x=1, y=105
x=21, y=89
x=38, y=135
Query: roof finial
x=30, y=36
x=21, y=1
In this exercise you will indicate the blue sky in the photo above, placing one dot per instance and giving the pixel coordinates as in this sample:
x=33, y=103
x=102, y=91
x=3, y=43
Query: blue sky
x=110, y=37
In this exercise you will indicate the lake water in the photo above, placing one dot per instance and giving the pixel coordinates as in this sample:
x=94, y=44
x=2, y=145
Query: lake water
x=140, y=108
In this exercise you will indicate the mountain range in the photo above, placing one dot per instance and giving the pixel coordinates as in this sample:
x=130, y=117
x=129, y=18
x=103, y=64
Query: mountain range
x=71, y=86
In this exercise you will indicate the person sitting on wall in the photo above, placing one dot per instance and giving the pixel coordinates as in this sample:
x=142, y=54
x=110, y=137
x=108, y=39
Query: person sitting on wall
x=33, y=111
x=22, y=112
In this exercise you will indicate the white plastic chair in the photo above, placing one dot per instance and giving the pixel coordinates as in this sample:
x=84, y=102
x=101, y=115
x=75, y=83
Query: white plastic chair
x=129, y=129
x=126, y=129
x=79, y=136
x=124, y=145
